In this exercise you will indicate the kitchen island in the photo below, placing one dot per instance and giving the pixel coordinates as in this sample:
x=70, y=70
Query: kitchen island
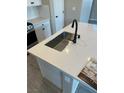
x=63, y=67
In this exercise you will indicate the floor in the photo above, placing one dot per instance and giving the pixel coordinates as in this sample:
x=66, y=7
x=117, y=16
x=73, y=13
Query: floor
x=35, y=82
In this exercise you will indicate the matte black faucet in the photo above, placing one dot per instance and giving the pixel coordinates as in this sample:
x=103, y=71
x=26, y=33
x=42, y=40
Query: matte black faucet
x=76, y=28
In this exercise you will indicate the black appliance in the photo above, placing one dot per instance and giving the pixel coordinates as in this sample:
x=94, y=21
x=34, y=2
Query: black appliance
x=31, y=35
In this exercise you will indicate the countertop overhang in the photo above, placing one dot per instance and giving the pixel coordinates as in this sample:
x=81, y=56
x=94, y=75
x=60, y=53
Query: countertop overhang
x=75, y=56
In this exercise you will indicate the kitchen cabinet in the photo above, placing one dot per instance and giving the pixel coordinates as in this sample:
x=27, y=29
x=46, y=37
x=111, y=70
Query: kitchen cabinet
x=34, y=3
x=58, y=78
x=56, y=9
x=50, y=73
x=43, y=30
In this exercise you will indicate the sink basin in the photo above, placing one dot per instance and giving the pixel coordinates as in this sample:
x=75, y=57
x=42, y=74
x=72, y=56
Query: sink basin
x=61, y=41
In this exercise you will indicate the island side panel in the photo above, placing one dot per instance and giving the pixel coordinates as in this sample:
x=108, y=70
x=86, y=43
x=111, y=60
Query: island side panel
x=50, y=73
x=69, y=84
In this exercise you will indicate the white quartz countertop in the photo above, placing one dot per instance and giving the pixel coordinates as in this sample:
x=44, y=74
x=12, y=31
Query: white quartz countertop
x=38, y=20
x=74, y=57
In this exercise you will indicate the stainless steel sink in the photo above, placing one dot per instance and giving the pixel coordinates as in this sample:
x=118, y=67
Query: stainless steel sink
x=61, y=41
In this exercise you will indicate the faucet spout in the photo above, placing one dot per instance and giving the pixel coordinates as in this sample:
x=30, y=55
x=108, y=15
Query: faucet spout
x=76, y=28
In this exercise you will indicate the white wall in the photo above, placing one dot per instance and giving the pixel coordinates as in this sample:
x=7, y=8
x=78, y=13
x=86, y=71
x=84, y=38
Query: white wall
x=44, y=11
x=32, y=12
x=72, y=10
x=45, y=2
